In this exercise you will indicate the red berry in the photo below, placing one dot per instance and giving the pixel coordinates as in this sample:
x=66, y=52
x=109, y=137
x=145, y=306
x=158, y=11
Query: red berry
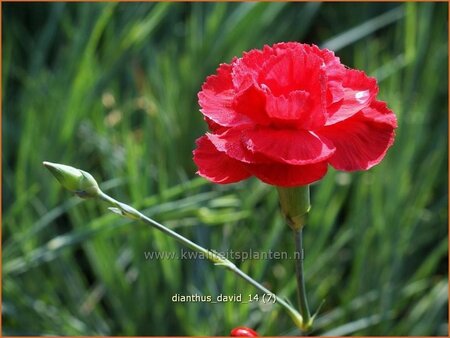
x=243, y=331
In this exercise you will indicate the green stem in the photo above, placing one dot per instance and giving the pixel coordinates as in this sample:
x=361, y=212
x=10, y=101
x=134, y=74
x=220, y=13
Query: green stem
x=295, y=205
x=130, y=212
x=301, y=290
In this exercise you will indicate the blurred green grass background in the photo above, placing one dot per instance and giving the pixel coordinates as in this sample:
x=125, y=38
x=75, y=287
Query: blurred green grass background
x=111, y=88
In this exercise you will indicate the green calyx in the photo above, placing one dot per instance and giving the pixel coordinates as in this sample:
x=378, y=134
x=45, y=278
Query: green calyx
x=295, y=205
x=75, y=180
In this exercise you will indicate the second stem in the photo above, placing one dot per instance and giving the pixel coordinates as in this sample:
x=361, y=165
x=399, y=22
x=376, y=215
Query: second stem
x=295, y=205
x=301, y=290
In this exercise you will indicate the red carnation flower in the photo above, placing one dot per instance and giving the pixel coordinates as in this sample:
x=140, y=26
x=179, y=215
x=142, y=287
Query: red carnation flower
x=285, y=112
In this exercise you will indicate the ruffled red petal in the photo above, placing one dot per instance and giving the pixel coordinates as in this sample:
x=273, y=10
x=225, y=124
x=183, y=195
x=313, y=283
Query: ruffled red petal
x=335, y=72
x=213, y=126
x=359, y=92
x=379, y=112
x=217, y=96
x=292, y=106
x=362, y=140
x=293, y=70
x=286, y=175
x=334, y=69
x=246, y=69
x=296, y=87
x=251, y=103
x=231, y=143
x=297, y=147
x=295, y=109
x=335, y=93
x=215, y=165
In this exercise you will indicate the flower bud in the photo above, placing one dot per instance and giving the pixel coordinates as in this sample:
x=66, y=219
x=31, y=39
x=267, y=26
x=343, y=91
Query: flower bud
x=75, y=180
x=243, y=331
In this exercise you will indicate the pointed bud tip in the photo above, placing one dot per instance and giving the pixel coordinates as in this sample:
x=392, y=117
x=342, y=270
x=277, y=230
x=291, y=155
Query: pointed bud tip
x=75, y=180
x=48, y=165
